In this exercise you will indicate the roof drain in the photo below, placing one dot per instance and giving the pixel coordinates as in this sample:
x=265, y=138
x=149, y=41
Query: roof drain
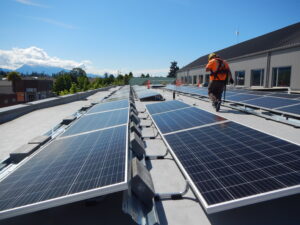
x=173, y=195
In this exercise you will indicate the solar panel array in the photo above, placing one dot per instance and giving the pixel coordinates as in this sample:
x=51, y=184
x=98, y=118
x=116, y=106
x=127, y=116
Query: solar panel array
x=88, y=160
x=272, y=101
x=68, y=166
x=109, y=106
x=165, y=106
x=143, y=93
x=98, y=121
x=231, y=165
x=193, y=117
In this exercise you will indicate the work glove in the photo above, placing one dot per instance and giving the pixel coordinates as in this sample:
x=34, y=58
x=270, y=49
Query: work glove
x=231, y=81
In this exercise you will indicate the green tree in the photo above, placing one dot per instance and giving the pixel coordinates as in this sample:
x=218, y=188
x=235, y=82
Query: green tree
x=173, y=69
x=77, y=72
x=147, y=75
x=73, y=88
x=143, y=75
x=86, y=84
x=120, y=77
x=126, y=79
x=13, y=76
x=62, y=82
x=97, y=83
x=83, y=83
x=111, y=79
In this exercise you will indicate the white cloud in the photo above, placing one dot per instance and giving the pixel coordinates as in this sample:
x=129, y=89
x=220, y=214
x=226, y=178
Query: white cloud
x=17, y=57
x=31, y=3
x=13, y=59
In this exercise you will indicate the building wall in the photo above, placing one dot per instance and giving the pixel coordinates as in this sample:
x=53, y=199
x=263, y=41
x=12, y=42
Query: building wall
x=251, y=63
x=6, y=87
x=288, y=58
x=7, y=99
x=283, y=58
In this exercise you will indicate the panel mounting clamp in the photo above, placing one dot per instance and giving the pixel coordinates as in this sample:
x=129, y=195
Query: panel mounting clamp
x=153, y=157
x=151, y=137
x=173, y=195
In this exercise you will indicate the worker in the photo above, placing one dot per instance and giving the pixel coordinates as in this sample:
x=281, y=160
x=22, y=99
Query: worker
x=174, y=94
x=220, y=73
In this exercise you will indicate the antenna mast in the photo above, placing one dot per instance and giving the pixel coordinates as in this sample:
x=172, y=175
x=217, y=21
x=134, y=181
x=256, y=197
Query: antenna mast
x=237, y=33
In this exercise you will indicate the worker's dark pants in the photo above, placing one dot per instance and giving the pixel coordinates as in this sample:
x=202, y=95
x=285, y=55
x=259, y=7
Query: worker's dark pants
x=215, y=90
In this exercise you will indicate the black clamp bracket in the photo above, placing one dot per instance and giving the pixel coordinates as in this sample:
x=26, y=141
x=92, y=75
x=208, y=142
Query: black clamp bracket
x=173, y=195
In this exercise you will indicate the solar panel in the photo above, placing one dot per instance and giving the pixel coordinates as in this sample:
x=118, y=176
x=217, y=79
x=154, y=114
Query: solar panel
x=285, y=95
x=98, y=121
x=271, y=102
x=109, y=106
x=232, y=165
x=165, y=106
x=183, y=119
x=67, y=170
x=241, y=97
x=261, y=93
x=295, y=109
x=200, y=92
x=148, y=94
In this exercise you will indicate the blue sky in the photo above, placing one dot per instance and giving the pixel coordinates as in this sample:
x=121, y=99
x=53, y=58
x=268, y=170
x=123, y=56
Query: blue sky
x=131, y=35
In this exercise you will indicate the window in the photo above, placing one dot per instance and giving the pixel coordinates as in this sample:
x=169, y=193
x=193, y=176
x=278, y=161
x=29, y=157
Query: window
x=281, y=76
x=257, y=77
x=201, y=79
x=195, y=79
x=206, y=78
x=240, y=77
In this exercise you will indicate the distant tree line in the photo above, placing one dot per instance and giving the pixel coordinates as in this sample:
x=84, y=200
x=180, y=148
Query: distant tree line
x=6, y=74
x=73, y=81
x=76, y=80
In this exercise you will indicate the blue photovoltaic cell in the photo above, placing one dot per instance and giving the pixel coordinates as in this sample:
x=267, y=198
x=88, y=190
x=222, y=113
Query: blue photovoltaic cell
x=147, y=94
x=200, y=92
x=230, y=161
x=98, y=121
x=295, y=109
x=241, y=97
x=271, y=102
x=183, y=119
x=231, y=93
x=68, y=166
x=285, y=95
x=165, y=106
x=109, y=106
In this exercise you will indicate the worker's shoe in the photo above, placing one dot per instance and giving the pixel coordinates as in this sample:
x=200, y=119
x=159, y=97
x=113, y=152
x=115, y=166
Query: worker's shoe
x=218, y=105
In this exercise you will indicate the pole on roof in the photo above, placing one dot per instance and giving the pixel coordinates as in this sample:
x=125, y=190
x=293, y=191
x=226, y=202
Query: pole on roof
x=224, y=94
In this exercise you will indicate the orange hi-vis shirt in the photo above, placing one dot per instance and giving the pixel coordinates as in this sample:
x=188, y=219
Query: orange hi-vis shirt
x=213, y=66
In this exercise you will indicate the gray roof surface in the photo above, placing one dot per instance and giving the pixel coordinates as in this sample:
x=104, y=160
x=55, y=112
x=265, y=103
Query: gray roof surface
x=285, y=37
